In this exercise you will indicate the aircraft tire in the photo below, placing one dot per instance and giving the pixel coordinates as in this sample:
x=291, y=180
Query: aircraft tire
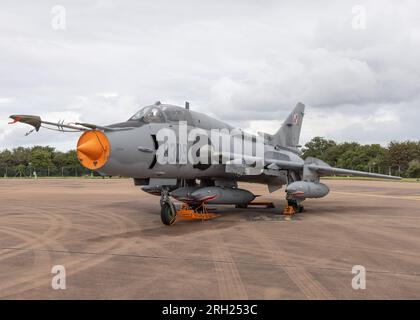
x=168, y=213
x=298, y=208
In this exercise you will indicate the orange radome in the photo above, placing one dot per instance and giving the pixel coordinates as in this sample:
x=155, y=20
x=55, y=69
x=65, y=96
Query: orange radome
x=93, y=149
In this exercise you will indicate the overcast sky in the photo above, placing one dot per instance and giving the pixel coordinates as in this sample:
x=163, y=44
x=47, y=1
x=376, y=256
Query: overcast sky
x=356, y=65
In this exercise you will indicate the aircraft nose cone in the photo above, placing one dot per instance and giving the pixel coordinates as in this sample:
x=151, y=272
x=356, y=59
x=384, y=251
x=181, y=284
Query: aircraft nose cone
x=93, y=149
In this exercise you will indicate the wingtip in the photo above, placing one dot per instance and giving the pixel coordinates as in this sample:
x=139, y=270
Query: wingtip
x=15, y=118
x=32, y=120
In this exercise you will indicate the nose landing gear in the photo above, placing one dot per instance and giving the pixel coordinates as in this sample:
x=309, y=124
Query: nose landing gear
x=167, y=208
x=169, y=214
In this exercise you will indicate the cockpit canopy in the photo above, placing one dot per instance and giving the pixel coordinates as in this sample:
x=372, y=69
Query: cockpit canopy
x=150, y=114
x=159, y=113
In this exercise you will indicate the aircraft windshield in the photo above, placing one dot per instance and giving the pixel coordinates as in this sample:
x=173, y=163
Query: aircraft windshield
x=151, y=114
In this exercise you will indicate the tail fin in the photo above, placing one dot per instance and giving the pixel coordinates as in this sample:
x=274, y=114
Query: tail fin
x=289, y=133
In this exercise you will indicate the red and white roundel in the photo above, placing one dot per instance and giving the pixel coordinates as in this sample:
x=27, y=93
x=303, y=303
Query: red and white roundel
x=295, y=118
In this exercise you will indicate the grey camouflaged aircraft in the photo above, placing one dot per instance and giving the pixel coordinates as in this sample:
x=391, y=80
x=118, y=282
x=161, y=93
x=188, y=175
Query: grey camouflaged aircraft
x=131, y=148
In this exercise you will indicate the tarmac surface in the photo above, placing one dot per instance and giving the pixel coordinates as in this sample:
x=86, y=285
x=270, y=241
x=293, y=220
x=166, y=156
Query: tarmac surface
x=109, y=237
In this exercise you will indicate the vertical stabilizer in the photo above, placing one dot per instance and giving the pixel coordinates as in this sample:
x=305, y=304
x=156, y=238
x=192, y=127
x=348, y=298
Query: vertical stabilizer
x=289, y=133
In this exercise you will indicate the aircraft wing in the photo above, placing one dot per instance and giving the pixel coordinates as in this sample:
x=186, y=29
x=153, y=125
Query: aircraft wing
x=310, y=165
x=330, y=171
x=323, y=169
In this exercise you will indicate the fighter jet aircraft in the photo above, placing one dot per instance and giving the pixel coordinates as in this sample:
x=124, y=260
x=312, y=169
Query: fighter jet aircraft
x=177, y=153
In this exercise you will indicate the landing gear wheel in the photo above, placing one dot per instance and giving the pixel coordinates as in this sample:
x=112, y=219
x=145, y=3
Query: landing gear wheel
x=168, y=213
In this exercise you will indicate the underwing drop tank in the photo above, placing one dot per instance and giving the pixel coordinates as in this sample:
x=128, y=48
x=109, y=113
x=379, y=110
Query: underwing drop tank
x=306, y=189
x=184, y=194
x=214, y=195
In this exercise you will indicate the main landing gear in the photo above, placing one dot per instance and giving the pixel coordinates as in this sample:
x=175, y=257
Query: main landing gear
x=292, y=207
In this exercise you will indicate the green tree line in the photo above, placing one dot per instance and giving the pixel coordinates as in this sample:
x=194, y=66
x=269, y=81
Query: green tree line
x=40, y=161
x=397, y=158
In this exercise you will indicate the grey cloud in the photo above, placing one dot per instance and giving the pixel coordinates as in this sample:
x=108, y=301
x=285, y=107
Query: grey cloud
x=241, y=61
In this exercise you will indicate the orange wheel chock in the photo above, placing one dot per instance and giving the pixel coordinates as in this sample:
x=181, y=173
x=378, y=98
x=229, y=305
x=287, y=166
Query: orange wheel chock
x=199, y=213
x=289, y=211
